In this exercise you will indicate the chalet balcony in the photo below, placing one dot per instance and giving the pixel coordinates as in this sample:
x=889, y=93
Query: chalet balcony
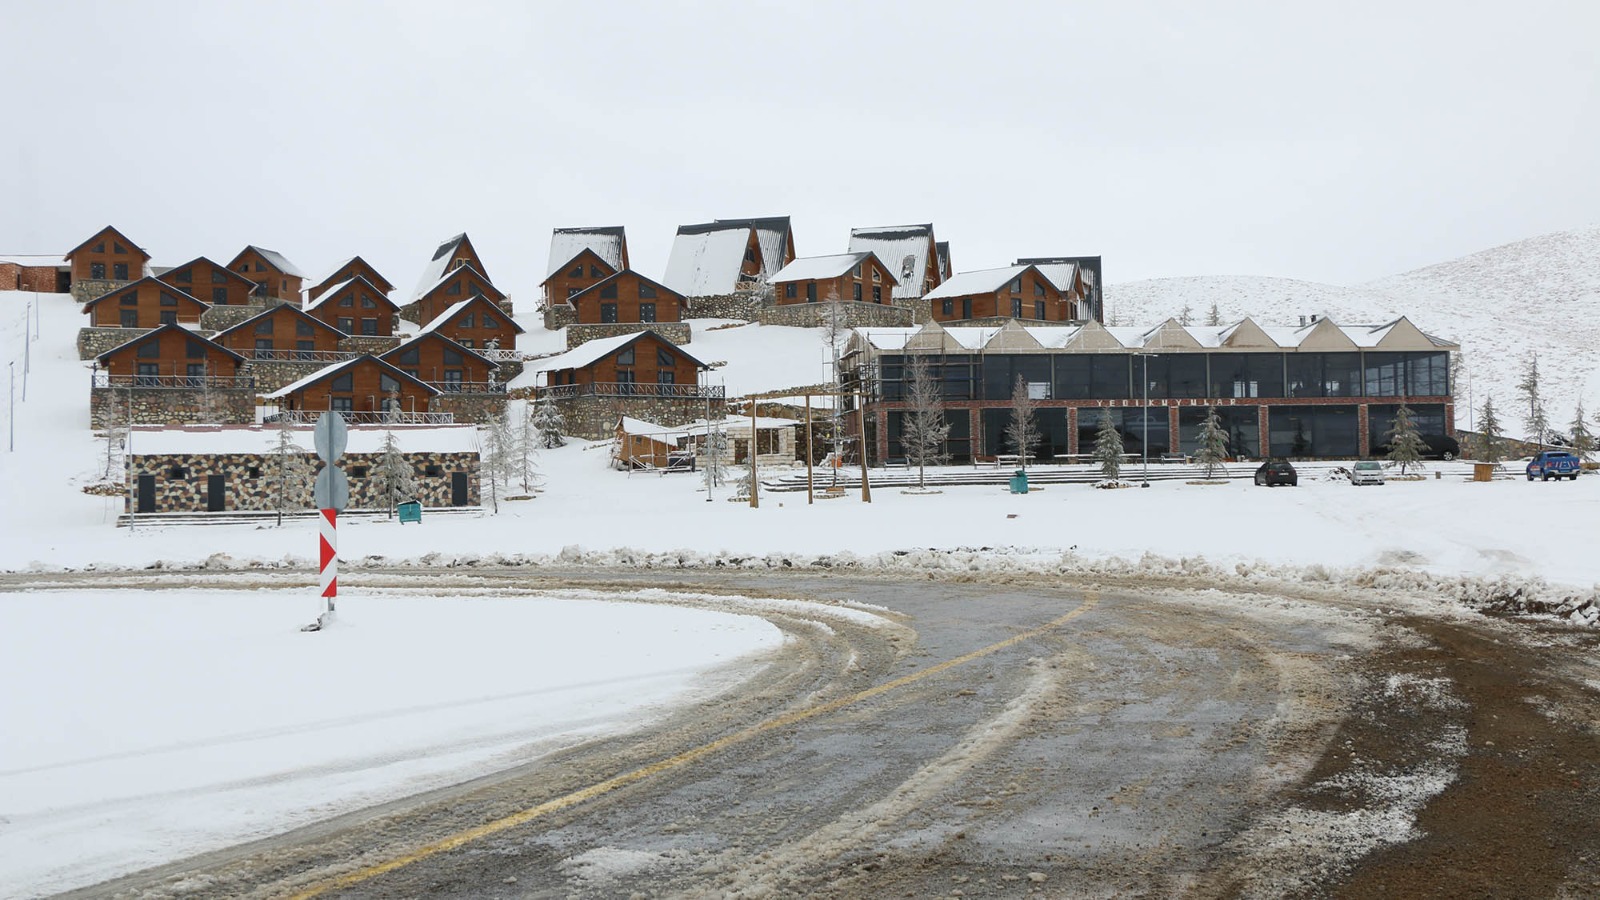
x=310, y=417
x=497, y=355
x=316, y=356
x=632, y=389
x=468, y=387
x=176, y=382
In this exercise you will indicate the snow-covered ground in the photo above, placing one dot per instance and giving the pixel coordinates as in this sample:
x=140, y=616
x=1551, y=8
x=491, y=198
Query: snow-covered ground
x=143, y=726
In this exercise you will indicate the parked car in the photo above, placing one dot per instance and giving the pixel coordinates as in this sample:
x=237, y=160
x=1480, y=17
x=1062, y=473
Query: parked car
x=1367, y=471
x=1557, y=464
x=1275, y=472
x=1437, y=446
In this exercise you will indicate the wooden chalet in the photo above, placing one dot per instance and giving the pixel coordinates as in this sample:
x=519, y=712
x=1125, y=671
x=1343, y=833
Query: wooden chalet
x=646, y=445
x=356, y=306
x=859, y=277
x=445, y=365
x=350, y=268
x=170, y=356
x=146, y=303
x=628, y=297
x=458, y=284
x=450, y=255
x=286, y=333
x=1087, y=270
x=210, y=281
x=107, y=256
x=643, y=364
x=478, y=323
x=271, y=271
x=1016, y=292
x=582, y=257
x=909, y=252
x=726, y=255
x=365, y=389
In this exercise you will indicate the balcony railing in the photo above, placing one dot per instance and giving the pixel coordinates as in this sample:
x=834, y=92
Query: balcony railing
x=632, y=389
x=310, y=417
x=316, y=356
x=176, y=382
x=498, y=355
x=469, y=387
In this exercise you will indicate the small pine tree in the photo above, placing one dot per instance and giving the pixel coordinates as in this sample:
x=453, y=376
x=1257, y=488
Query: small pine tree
x=923, y=427
x=526, y=463
x=549, y=423
x=1583, y=442
x=497, y=457
x=1186, y=315
x=1213, y=440
x=394, y=480
x=1405, y=442
x=1489, y=429
x=1214, y=316
x=1530, y=386
x=291, y=472
x=1023, y=429
x=1108, y=447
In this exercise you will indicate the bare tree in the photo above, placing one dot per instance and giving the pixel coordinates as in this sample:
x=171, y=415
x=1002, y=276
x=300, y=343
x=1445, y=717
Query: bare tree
x=923, y=428
x=1023, y=430
x=834, y=333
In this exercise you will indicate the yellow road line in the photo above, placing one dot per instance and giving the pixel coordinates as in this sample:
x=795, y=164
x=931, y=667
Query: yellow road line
x=558, y=804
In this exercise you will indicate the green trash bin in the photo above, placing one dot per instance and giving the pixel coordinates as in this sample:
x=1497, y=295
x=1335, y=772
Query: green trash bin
x=1019, y=482
x=411, y=511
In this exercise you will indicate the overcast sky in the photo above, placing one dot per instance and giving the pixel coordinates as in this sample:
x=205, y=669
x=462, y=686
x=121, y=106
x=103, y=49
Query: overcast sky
x=1332, y=142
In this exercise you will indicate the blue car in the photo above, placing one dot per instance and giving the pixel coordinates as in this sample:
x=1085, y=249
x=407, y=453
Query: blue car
x=1557, y=464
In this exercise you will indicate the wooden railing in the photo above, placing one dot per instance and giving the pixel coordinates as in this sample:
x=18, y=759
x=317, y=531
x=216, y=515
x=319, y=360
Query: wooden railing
x=632, y=389
x=318, y=356
x=176, y=382
x=310, y=417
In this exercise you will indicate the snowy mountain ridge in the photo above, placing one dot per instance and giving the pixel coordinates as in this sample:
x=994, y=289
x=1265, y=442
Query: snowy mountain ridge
x=1539, y=295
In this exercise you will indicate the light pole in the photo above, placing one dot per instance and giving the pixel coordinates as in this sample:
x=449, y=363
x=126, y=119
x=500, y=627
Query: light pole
x=1144, y=443
x=12, y=444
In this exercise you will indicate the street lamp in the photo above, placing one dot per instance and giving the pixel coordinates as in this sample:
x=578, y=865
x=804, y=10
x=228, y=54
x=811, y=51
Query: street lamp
x=1144, y=415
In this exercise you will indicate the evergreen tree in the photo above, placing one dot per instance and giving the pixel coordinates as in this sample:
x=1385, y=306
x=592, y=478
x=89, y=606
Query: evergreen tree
x=1186, y=315
x=497, y=457
x=1405, y=442
x=525, y=465
x=716, y=450
x=923, y=427
x=1108, y=447
x=1583, y=442
x=1214, y=316
x=548, y=422
x=1213, y=442
x=1023, y=430
x=292, y=473
x=1489, y=428
x=394, y=480
x=1530, y=387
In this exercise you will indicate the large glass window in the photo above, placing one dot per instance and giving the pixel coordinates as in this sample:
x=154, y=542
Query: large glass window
x=1313, y=431
x=1173, y=374
x=1428, y=417
x=1001, y=371
x=1240, y=423
x=1323, y=374
x=958, y=441
x=1240, y=375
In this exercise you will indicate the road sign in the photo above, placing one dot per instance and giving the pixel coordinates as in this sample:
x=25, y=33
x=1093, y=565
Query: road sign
x=331, y=437
x=332, y=488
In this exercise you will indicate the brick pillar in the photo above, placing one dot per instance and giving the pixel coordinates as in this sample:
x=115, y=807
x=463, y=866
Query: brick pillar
x=881, y=418
x=975, y=428
x=1174, y=440
x=1264, y=431
x=1363, y=432
x=1072, y=431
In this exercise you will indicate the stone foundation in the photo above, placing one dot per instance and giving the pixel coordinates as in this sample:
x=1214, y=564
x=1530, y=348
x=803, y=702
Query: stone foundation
x=248, y=483
x=469, y=408
x=855, y=315
x=273, y=374
x=172, y=406
x=595, y=418
x=94, y=341
x=368, y=344
x=218, y=318
x=86, y=290
x=726, y=306
x=558, y=316
x=676, y=332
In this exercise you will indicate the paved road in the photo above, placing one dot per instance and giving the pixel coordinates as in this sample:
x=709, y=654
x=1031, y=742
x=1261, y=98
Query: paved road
x=1017, y=738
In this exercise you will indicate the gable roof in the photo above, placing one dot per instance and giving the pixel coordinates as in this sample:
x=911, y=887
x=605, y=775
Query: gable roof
x=1062, y=274
x=439, y=265
x=904, y=251
x=467, y=267
x=807, y=268
x=982, y=281
x=436, y=336
x=661, y=434
x=590, y=352
x=273, y=310
x=610, y=278
x=203, y=259
x=326, y=296
x=134, y=284
x=460, y=306
x=336, y=368
x=609, y=242
x=102, y=231
x=156, y=333
x=274, y=258
x=586, y=251
x=370, y=268
x=706, y=263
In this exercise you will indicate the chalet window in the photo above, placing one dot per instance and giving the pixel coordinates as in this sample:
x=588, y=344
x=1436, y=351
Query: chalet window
x=876, y=275
x=647, y=312
x=168, y=317
x=666, y=376
x=625, y=357
x=263, y=344
x=97, y=270
x=129, y=299
x=577, y=271
x=454, y=289
x=877, y=293
x=856, y=271
x=573, y=292
x=387, y=383
x=594, y=272
x=490, y=321
x=369, y=327
x=646, y=291
x=452, y=357
x=130, y=318
x=1038, y=309
x=811, y=292
x=283, y=284
x=219, y=295
x=149, y=374
x=791, y=290
x=467, y=321
x=411, y=356
x=665, y=359
x=749, y=255
x=343, y=404
x=345, y=382
x=305, y=349
x=433, y=470
x=195, y=350
x=1016, y=285
x=184, y=277
x=168, y=300
x=608, y=312
x=178, y=473
x=100, y=247
x=625, y=380
x=196, y=373
x=948, y=307
x=261, y=267
x=119, y=271
x=218, y=276
x=474, y=291
x=452, y=379
x=118, y=248
x=264, y=326
x=1016, y=307
x=855, y=293
x=149, y=350
x=358, y=471
x=348, y=326
x=303, y=328
x=1038, y=289
x=609, y=292
x=347, y=300
x=368, y=302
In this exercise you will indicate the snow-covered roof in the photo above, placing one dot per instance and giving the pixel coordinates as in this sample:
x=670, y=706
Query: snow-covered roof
x=263, y=439
x=186, y=328
x=278, y=260
x=328, y=295
x=807, y=268
x=435, y=336
x=904, y=251
x=40, y=260
x=1062, y=275
x=438, y=267
x=460, y=306
x=706, y=263
x=608, y=242
x=736, y=423
x=1170, y=337
x=982, y=281
x=451, y=274
x=642, y=428
x=335, y=270
x=115, y=292
x=331, y=370
x=272, y=310
x=583, y=354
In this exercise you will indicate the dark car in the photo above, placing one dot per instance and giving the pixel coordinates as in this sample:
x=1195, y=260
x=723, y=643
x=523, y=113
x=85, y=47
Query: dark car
x=1275, y=472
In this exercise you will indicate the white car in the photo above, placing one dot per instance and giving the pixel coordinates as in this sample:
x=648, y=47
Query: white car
x=1367, y=471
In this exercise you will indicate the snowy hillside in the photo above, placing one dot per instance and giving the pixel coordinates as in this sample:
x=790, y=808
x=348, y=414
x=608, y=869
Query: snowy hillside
x=1541, y=294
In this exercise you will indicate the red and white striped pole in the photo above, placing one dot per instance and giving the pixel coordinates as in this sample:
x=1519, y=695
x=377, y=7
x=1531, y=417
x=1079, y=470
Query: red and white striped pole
x=329, y=545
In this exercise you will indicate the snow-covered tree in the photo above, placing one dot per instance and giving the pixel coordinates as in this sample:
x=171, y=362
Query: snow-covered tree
x=1108, y=447
x=1531, y=389
x=1186, y=315
x=716, y=450
x=496, y=457
x=923, y=428
x=525, y=465
x=1213, y=440
x=292, y=473
x=1023, y=429
x=1214, y=315
x=1583, y=442
x=549, y=423
x=1489, y=429
x=116, y=426
x=393, y=479
x=1405, y=442
x=213, y=407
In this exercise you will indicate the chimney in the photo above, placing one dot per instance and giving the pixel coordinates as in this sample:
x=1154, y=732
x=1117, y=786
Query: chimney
x=1314, y=318
x=1302, y=321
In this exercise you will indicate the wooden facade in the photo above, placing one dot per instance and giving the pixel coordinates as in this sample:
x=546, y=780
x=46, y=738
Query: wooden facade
x=356, y=307
x=285, y=332
x=478, y=323
x=458, y=284
x=171, y=351
x=867, y=281
x=272, y=274
x=147, y=303
x=1029, y=296
x=353, y=267
x=107, y=256
x=576, y=276
x=647, y=359
x=365, y=384
x=210, y=281
x=628, y=297
x=441, y=362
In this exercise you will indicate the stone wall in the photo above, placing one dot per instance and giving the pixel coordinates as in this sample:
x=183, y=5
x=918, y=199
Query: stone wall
x=86, y=290
x=273, y=374
x=855, y=315
x=94, y=341
x=476, y=408
x=726, y=306
x=595, y=418
x=559, y=315
x=218, y=318
x=368, y=344
x=676, y=332
x=249, y=486
x=17, y=277
x=172, y=406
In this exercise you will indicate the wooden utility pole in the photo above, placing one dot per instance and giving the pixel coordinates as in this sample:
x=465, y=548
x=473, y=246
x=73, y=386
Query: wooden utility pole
x=810, y=495
x=755, y=483
x=861, y=422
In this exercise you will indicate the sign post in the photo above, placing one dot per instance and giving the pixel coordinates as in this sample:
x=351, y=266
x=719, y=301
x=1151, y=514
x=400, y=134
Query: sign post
x=332, y=494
